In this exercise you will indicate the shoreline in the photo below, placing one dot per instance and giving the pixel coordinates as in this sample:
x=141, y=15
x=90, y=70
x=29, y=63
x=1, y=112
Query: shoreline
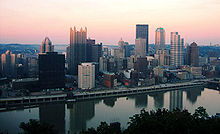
x=26, y=102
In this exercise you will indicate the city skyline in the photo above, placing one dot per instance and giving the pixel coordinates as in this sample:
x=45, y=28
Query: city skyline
x=30, y=21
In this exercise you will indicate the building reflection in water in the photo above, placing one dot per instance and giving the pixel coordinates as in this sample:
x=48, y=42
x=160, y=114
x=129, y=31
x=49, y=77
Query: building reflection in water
x=193, y=93
x=141, y=101
x=176, y=99
x=53, y=114
x=158, y=99
x=109, y=101
x=80, y=113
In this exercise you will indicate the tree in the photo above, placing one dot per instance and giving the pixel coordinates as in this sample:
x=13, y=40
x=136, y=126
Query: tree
x=163, y=121
x=35, y=127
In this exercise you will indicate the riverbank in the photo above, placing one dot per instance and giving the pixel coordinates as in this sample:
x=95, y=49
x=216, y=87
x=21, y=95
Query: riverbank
x=27, y=101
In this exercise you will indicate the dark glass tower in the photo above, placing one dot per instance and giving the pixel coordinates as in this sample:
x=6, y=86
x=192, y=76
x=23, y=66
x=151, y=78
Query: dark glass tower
x=51, y=70
x=142, y=32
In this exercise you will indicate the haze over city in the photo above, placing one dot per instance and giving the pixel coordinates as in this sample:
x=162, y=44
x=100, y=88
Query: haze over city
x=107, y=21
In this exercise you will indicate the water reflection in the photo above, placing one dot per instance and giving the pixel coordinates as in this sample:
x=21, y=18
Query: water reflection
x=53, y=114
x=85, y=114
x=109, y=101
x=176, y=99
x=158, y=99
x=80, y=113
x=192, y=94
x=141, y=101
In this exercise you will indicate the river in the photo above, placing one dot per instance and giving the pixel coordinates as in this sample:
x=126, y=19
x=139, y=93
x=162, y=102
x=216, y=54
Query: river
x=80, y=115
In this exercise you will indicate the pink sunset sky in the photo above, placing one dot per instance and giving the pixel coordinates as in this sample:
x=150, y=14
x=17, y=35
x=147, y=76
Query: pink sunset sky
x=29, y=21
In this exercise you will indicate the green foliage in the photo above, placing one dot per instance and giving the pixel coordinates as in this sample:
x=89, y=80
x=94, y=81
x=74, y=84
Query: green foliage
x=35, y=127
x=164, y=121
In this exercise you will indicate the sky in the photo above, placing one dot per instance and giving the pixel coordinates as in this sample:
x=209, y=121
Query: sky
x=107, y=21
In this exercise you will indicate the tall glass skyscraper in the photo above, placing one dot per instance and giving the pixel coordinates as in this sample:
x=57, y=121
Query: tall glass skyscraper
x=46, y=46
x=76, y=51
x=177, y=50
x=142, y=32
x=160, y=39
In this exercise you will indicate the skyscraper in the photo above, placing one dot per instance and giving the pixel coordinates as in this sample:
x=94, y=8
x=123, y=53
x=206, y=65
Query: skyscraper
x=177, y=50
x=142, y=32
x=46, y=46
x=160, y=39
x=140, y=45
x=51, y=70
x=76, y=51
x=89, y=44
x=93, y=51
x=192, y=56
x=86, y=76
x=8, y=61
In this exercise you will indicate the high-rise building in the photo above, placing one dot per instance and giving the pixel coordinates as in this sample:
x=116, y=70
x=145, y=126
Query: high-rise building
x=123, y=49
x=140, y=47
x=121, y=45
x=142, y=32
x=51, y=70
x=160, y=39
x=86, y=76
x=46, y=46
x=76, y=51
x=163, y=57
x=96, y=52
x=177, y=49
x=8, y=64
x=103, y=64
x=32, y=66
x=192, y=56
x=89, y=44
x=93, y=51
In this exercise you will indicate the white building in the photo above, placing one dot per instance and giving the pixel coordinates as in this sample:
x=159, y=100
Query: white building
x=86, y=76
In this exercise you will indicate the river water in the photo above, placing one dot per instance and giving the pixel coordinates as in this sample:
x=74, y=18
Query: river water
x=85, y=114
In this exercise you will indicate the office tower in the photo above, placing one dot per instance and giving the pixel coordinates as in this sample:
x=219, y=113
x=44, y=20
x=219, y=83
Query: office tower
x=105, y=51
x=21, y=66
x=127, y=49
x=86, y=76
x=160, y=39
x=140, y=47
x=121, y=49
x=142, y=32
x=96, y=52
x=89, y=44
x=46, y=46
x=141, y=65
x=8, y=62
x=93, y=51
x=76, y=51
x=177, y=49
x=32, y=66
x=192, y=56
x=51, y=70
x=103, y=64
x=163, y=57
